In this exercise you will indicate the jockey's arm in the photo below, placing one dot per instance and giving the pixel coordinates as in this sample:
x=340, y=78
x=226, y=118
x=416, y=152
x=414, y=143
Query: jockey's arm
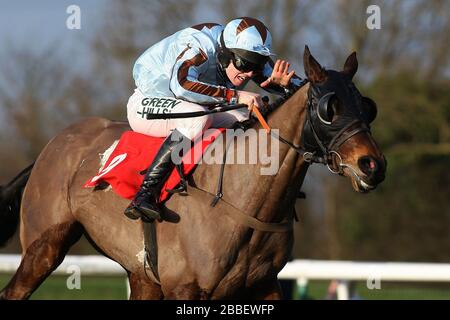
x=185, y=83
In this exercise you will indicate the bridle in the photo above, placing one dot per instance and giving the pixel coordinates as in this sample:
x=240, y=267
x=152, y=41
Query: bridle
x=329, y=155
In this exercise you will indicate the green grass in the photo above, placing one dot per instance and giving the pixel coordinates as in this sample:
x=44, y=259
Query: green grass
x=92, y=288
x=388, y=291
x=114, y=288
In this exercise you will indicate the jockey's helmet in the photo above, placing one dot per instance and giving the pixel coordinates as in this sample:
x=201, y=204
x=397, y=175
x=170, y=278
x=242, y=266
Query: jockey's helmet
x=247, y=42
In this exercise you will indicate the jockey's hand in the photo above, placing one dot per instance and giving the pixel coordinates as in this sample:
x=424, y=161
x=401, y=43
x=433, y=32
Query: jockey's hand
x=250, y=99
x=280, y=74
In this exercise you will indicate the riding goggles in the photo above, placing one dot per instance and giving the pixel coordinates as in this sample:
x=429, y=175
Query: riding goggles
x=245, y=65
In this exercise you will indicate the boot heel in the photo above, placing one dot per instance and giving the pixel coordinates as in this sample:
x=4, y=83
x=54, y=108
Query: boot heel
x=132, y=213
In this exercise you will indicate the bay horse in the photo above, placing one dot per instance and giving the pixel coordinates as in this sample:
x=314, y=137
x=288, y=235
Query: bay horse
x=206, y=253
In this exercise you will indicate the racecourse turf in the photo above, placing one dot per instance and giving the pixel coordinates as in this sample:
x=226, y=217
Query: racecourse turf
x=114, y=288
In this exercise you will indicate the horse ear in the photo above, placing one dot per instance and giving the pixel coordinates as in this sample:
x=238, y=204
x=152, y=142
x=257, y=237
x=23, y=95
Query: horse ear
x=351, y=65
x=314, y=71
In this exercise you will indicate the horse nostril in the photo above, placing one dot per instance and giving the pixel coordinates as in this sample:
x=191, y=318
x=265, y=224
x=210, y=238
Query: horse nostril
x=368, y=165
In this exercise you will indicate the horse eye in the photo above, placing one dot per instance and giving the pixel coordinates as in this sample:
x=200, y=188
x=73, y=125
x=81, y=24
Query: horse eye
x=326, y=108
x=370, y=109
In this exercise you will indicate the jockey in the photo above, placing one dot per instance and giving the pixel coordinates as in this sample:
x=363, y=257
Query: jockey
x=197, y=67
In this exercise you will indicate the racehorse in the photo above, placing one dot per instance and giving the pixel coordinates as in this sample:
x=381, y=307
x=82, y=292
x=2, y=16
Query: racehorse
x=233, y=250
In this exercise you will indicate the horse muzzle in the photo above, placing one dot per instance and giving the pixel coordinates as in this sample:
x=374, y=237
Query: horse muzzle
x=369, y=174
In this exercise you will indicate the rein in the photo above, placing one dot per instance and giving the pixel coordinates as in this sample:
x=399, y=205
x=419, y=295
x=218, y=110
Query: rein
x=215, y=109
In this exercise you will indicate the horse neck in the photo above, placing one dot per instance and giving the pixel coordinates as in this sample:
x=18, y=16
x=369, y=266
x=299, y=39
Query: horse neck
x=290, y=116
x=284, y=186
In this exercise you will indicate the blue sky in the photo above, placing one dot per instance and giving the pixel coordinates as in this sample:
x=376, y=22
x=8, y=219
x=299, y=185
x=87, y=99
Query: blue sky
x=38, y=23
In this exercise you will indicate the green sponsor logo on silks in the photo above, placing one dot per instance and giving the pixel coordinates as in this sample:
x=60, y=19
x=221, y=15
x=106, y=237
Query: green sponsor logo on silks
x=164, y=103
x=157, y=106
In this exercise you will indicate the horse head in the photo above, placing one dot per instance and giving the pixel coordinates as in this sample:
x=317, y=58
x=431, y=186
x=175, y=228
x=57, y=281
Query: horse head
x=337, y=127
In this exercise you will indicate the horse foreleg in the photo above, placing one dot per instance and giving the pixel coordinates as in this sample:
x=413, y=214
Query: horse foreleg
x=270, y=290
x=274, y=294
x=41, y=258
x=142, y=288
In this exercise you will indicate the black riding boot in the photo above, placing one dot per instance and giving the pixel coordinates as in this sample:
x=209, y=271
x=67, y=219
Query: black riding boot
x=145, y=203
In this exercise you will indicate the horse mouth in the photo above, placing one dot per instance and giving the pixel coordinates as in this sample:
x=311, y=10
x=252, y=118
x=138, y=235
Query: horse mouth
x=359, y=185
x=358, y=182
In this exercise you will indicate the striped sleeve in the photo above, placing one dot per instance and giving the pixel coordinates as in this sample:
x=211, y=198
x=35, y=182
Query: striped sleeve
x=185, y=84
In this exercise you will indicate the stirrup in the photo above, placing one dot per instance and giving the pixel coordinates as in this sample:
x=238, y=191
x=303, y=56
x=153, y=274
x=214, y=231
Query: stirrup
x=149, y=216
x=134, y=213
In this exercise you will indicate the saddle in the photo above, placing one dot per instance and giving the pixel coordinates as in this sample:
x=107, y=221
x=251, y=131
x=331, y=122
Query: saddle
x=127, y=159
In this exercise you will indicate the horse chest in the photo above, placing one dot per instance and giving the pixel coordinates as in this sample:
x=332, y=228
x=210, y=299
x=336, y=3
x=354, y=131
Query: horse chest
x=269, y=256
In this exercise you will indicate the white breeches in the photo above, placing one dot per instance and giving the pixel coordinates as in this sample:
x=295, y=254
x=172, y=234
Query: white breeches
x=139, y=106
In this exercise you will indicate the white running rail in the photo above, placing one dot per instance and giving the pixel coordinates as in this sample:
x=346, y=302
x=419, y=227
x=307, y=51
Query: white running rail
x=300, y=270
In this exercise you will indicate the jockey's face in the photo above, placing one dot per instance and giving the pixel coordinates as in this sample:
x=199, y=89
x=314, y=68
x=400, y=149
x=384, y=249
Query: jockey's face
x=237, y=77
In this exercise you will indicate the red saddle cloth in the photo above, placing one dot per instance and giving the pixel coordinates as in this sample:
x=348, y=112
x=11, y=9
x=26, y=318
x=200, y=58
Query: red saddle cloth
x=134, y=153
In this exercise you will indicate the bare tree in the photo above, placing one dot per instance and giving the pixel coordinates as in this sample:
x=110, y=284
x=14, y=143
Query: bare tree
x=35, y=88
x=412, y=35
x=40, y=94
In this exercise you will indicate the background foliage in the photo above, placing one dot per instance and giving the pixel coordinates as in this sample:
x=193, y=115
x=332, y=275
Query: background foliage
x=404, y=67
